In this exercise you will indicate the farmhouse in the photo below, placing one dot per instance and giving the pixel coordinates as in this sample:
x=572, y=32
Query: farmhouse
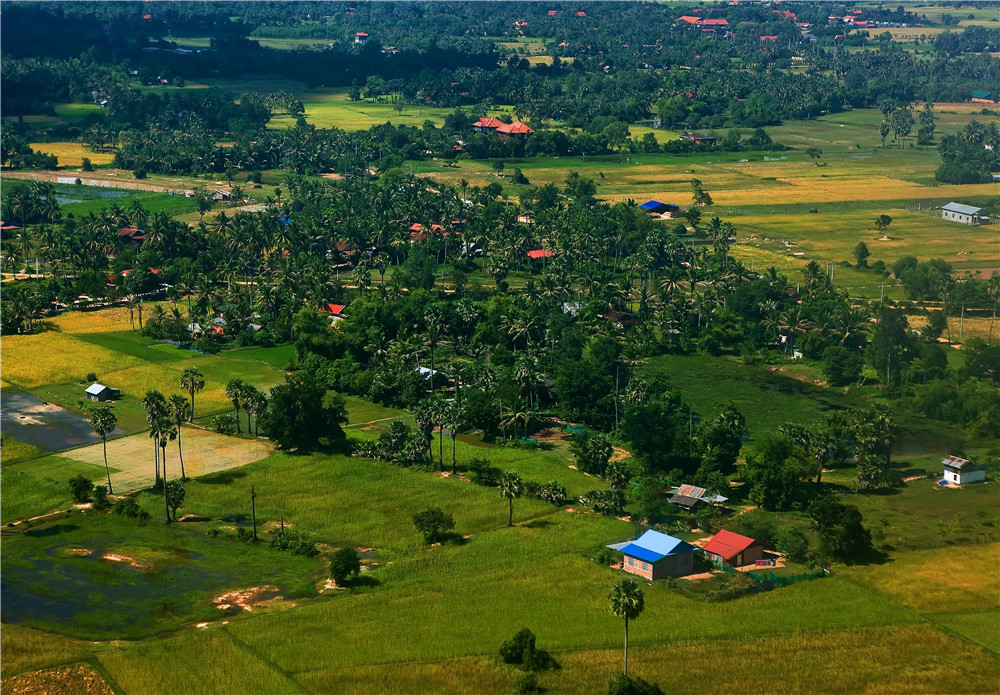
x=959, y=471
x=622, y=318
x=131, y=235
x=690, y=496
x=221, y=194
x=361, y=38
x=655, y=207
x=733, y=549
x=487, y=124
x=980, y=97
x=655, y=555
x=336, y=312
x=535, y=254
x=515, y=128
x=966, y=214
x=101, y=393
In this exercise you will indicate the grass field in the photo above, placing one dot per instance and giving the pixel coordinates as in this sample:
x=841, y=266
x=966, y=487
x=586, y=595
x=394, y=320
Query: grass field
x=204, y=453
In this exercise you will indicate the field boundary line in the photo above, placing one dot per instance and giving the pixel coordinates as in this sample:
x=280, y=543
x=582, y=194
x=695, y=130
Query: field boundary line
x=240, y=644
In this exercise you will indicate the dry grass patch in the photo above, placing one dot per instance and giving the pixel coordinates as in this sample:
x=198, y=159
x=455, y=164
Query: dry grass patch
x=51, y=358
x=931, y=581
x=71, y=154
x=204, y=452
x=882, y=661
x=111, y=320
x=74, y=679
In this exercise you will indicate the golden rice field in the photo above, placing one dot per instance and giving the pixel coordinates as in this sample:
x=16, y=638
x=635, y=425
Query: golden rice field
x=71, y=154
x=930, y=581
x=911, y=660
x=48, y=358
x=111, y=320
x=204, y=452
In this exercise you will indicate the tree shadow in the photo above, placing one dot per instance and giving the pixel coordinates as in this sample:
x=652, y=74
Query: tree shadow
x=537, y=523
x=365, y=579
x=222, y=477
x=53, y=530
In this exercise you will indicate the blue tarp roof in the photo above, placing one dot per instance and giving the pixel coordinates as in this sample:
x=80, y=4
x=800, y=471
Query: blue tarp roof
x=642, y=553
x=656, y=205
x=653, y=545
x=284, y=220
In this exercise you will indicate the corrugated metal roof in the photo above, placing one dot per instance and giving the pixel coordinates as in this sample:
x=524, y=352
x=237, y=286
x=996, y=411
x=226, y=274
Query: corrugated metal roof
x=960, y=463
x=690, y=491
x=728, y=544
x=95, y=389
x=961, y=209
x=634, y=550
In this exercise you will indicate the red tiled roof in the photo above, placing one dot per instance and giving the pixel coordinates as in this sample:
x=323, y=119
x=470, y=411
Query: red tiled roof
x=717, y=22
x=581, y=14
x=335, y=309
x=488, y=122
x=768, y=38
x=539, y=253
x=361, y=33
x=552, y=13
x=689, y=19
x=728, y=545
x=516, y=128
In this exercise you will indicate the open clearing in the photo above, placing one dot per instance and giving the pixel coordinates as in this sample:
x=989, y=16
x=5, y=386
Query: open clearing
x=44, y=425
x=204, y=452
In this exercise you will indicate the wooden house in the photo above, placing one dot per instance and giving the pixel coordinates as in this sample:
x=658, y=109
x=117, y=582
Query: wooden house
x=733, y=549
x=100, y=393
x=655, y=555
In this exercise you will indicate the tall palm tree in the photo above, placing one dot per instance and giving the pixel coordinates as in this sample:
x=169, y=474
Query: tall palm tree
x=234, y=392
x=628, y=602
x=193, y=381
x=103, y=421
x=180, y=411
x=511, y=487
x=164, y=432
x=155, y=406
x=456, y=420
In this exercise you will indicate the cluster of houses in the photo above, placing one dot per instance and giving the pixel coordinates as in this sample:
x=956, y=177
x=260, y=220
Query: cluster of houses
x=488, y=125
x=655, y=555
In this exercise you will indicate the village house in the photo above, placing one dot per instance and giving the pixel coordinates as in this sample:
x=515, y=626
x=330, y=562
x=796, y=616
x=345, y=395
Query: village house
x=690, y=496
x=980, y=97
x=336, y=312
x=131, y=235
x=516, y=128
x=664, y=210
x=100, y=392
x=487, y=124
x=733, y=549
x=361, y=38
x=960, y=471
x=621, y=318
x=966, y=214
x=655, y=555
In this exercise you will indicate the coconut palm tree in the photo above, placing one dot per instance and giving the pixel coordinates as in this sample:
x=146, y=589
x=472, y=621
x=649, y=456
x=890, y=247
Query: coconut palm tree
x=103, y=421
x=511, y=487
x=628, y=602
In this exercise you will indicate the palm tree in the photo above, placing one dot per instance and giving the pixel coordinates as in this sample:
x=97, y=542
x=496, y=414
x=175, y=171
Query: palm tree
x=155, y=406
x=193, y=381
x=511, y=487
x=163, y=431
x=103, y=421
x=180, y=410
x=456, y=420
x=256, y=406
x=993, y=290
x=628, y=602
x=234, y=392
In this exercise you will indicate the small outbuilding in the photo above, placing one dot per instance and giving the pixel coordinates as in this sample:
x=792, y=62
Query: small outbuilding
x=966, y=214
x=655, y=555
x=100, y=392
x=733, y=549
x=960, y=471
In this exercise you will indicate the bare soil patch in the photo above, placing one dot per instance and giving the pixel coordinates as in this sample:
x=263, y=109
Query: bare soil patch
x=73, y=679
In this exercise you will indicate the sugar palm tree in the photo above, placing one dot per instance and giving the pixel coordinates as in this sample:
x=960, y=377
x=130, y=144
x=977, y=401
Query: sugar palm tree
x=511, y=487
x=234, y=392
x=155, y=406
x=193, y=381
x=163, y=431
x=628, y=602
x=103, y=421
x=180, y=411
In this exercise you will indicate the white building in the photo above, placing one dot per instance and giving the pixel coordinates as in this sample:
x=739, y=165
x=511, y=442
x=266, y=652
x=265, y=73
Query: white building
x=959, y=471
x=966, y=214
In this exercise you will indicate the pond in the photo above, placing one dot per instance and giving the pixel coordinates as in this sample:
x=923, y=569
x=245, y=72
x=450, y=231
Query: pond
x=107, y=577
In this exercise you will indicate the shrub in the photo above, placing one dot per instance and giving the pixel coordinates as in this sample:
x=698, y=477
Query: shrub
x=792, y=542
x=432, y=523
x=520, y=650
x=290, y=539
x=244, y=534
x=632, y=685
x=91, y=377
x=603, y=556
x=129, y=507
x=81, y=488
x=553, y=492
x=139, y=172
x=527, y=683
x=603, y=501
x=344, y=566
x=101, y=501
x=86, y=165
x=223, y=424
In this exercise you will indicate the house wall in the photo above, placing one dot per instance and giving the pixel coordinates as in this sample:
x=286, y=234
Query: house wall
x=637, y=566
x=959, y=217
x=674, y=566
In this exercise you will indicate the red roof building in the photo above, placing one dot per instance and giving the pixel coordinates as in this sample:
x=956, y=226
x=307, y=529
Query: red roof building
x=539, y=253
x=131, y=235
x=768, y=38
x=515, y=128
x=581, y=14
x=487, y=124
x=715, y=22
x=689, y=19
x=553, y=13
x=733, y=549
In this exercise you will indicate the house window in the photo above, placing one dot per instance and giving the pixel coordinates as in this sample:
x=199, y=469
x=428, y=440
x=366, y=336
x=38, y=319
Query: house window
x=644, y=568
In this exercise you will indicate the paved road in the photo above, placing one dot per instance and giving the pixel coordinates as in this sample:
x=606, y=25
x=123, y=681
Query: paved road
x=49, y=427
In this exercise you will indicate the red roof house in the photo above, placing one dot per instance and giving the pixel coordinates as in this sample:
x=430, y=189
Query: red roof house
x=487, y=124
x=515, y=128
x=131, y=235
x=733, y=549
x=539, y=253
x=689, y=19
x=715, y=22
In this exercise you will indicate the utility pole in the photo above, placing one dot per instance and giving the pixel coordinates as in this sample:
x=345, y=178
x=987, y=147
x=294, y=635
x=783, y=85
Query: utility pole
x=961, y=323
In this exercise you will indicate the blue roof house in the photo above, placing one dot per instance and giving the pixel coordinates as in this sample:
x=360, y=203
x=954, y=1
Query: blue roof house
x=659, y=208
x=655, y=555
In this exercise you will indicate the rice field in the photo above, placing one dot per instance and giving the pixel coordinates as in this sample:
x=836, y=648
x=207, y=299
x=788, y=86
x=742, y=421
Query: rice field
x=71, y=154
x=30, y=361
x=931, y=581
x=204, y=453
